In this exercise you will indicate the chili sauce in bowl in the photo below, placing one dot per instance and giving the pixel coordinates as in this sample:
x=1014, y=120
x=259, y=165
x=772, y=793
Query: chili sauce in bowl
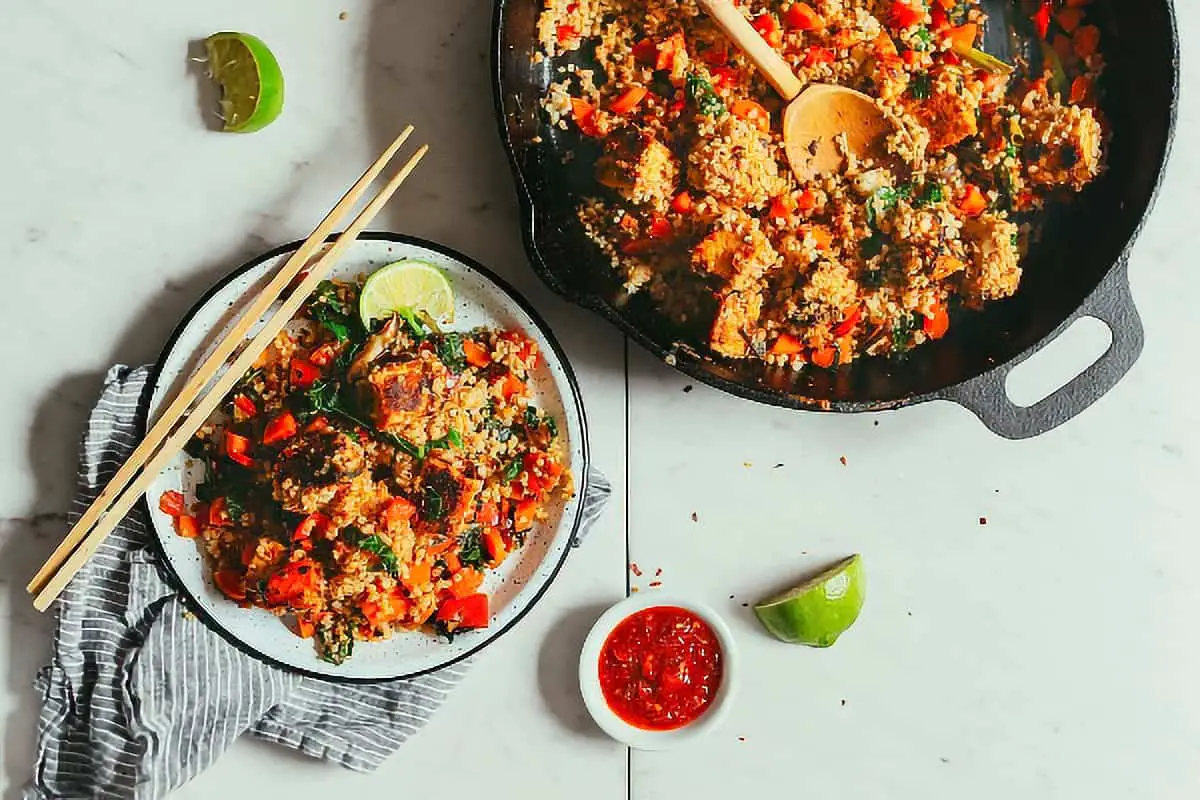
x=657, y=670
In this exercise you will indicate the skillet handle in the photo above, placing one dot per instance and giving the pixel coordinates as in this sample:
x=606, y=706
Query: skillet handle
x=987, y=396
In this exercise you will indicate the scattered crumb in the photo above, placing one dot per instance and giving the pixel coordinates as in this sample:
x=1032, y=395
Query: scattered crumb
x=343, y=16
x=876, y=423
x=688, y=388
x=658, y=572
x=745, y=605
x=843, y=702
x=188, y=615
x=655, y=584
x=843, y=460
x=741, y=738
x=635, y=569
x=694, y=517
x=983, y=520
x=777, y=466
x=909, y=613
x=634, y=589
x=944, y=760
x=730, y=597
x=747, y=464
x=997, y=491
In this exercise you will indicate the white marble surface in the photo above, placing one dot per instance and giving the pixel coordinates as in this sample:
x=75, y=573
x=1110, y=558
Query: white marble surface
x=1049, y=653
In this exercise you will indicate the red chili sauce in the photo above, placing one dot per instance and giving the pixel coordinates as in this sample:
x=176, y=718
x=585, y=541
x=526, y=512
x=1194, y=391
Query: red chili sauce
x=660, y=668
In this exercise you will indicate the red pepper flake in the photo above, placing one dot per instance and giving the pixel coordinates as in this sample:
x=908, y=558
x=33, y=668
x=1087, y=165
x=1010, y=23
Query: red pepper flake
x=635, y=569
x=741, y=738
x=658, y=572
x=983, y=520
x=695, y=517
x=843, y=460
x=655, y=584
x=843, y=703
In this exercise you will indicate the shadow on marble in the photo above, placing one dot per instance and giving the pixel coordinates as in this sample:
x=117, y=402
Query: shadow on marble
x=208, y=94
x=25, y=543
x=558, y=676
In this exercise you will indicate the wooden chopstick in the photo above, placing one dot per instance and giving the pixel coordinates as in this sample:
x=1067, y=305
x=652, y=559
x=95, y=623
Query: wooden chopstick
x=89, y=538
x=224, y=349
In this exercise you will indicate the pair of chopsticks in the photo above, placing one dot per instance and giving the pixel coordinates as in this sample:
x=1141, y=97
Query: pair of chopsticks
x=193, y=405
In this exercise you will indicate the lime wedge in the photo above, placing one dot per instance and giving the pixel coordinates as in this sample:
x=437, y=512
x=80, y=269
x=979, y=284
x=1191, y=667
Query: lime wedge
x=250, y=79
x=406, y=286
x=819, y=610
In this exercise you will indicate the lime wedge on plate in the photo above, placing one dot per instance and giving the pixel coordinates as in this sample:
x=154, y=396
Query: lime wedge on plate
x=250, y=79
x=406, y=286
x=819, y=610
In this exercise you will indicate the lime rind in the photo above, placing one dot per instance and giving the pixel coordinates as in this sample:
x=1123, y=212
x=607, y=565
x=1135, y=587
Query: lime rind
x=818, y=611
x=251, y=81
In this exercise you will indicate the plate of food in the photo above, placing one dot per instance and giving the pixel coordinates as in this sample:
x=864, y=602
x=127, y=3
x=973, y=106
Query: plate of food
x=1026, y=142
x=394, y=484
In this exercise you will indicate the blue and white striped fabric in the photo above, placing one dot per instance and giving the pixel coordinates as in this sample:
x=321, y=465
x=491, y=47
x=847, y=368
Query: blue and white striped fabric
x=140, y=696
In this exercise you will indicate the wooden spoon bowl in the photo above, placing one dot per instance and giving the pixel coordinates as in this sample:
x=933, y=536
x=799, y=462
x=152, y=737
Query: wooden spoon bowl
x=817, y=114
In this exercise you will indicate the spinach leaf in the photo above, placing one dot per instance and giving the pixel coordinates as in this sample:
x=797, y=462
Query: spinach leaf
x=884, y=200
x=433, y=505
x=551, y=425
x=452, y=438
x=414, y=322
x=471, y=552
x=513, y=469
x=450, y=350
x=328, y=309
x=704, y=96
x=873, y=245
x=931, y=193
x=374, y=544
x=902, y=332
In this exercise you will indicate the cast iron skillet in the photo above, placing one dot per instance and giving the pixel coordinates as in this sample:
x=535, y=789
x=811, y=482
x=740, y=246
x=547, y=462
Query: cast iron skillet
x=1078, y=269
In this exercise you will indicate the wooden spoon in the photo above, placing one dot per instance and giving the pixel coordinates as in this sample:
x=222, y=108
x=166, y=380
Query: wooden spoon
x=816, y=114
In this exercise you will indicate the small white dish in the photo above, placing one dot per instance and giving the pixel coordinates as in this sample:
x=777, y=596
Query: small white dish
x=593, y=694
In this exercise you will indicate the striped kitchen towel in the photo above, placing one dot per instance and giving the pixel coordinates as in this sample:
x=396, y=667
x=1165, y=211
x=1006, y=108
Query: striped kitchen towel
x=139, y=697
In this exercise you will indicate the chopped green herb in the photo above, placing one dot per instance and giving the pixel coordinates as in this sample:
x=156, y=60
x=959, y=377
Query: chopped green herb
x=552, y=425
x=334, y=647
x=376, y=545
x=922, y=39
x=414, y=323
x=452, y=438
x=512, y=470
x=921, y=86
x=433, y=505
x=1015, y=240
x=704, y=96
x=1010, y=150
x=902, y=333
x=327, y=308
x=884, y=200
x=931, y=193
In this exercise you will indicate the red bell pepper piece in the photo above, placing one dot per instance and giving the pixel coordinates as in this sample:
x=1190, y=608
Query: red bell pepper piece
x=682, y=203
x=245, y=405
x=186, y=526
x=218, y=513
x=231, y=584
x=846, y=325
x=476, y=354
x=303, y=373
x=171, y=503
x=525, y=514
x=803, y=17
x=399, y=510
x=468, y=612
x=280, y=429
x=905, y=16
x=1041, y=20
x=315, y=522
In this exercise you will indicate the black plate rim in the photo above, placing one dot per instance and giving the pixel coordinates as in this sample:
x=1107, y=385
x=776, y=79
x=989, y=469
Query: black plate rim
x=575, y=396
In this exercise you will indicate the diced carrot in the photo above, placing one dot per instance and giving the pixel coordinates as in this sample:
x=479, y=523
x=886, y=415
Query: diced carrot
x=682, y=203
x=669, y=50
x=465, y=582
x=476, y=354
x=305, y=627
x=1087, y=41
x=659, y=228
x=489, y=515
x=802, y=17
x=231, y=584
x=629, y=100
x=398, y=511
x=936, y=325
x=495, y=545
x=319, y=424
x=964, y=36
x=786, y=345
x=419, y=575
x=753, y=112
x=911, y=58
x=282, y=428
x=1069, y=19
x=906, y=16
x=512, y=386
x=780, y=208
x=885, y=46
x=452, y=562
x=807, y=201
x=469, y=612
x=171, y=503
x=974, y=202
x=818, y=55
x=525, y=514
x=824, y=357
x=235, y=443
x=1081, y=89
x=186, y=526
x=585, y=116
x=848, y=324
x=821, y=234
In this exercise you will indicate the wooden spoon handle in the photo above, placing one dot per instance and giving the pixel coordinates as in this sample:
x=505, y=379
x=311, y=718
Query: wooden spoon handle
x=748, y=40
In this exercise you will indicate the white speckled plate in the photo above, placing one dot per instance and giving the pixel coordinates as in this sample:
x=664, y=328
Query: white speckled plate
x=482, y=299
